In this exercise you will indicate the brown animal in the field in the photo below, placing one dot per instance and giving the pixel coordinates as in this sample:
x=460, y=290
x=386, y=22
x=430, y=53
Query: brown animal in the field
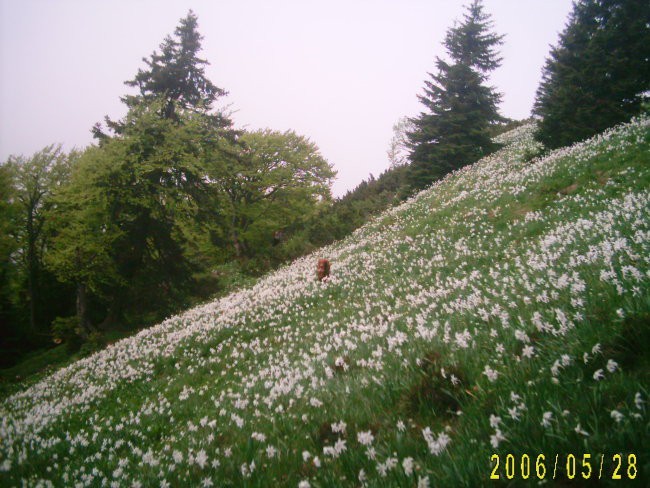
x=323, y=269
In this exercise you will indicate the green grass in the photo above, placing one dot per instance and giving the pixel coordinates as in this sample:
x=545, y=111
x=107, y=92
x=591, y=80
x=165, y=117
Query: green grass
x=32, y=368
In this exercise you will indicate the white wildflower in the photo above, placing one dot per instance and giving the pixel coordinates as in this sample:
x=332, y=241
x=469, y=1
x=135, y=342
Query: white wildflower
x=258, y=436
x=514, y=413
x=491, y=374
x=617, y=416
x=362, y=477
x=581, y=431
x=496, y=438
x=201, y=458
x=612, y=365
x=520, y=335
x=339, y=447
x=365, y=438
x=407, y=465
x=638, y=400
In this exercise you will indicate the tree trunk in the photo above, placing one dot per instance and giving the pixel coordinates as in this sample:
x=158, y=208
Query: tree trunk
x=31, y=272
x=82, y=310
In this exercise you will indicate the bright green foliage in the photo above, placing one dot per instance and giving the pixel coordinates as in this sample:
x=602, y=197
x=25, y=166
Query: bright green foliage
x=272, y=184
x=455, y=129
x=597, y=75
x=125, y=213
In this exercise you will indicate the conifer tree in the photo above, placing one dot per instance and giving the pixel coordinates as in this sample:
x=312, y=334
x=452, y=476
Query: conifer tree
x=176, y=76
x=598, y=74
x=454, y=130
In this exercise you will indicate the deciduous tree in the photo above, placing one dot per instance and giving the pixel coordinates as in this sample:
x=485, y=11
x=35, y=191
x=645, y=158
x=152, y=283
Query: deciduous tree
x=273, y=181
x=35, y=180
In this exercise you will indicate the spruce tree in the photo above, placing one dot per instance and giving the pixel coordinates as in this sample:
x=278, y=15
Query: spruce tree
x=454, y=131
x=598, y=74
x=175, y=76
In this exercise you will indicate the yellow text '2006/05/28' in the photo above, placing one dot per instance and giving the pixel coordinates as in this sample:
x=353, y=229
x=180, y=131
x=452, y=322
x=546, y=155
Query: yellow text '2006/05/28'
x=569, y=466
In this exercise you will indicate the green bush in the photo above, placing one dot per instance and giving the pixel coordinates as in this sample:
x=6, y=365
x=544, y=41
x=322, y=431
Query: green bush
x=66, y=330
x=95, y=342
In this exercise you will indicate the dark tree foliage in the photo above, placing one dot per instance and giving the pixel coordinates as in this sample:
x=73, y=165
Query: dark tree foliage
x=177, y=76
x=30, y=297
x=455, y=129
x=598, y=73
x=11, y=336
x=356, y=207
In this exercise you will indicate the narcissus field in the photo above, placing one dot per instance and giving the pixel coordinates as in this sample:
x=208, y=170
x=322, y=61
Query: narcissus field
x=496, y=325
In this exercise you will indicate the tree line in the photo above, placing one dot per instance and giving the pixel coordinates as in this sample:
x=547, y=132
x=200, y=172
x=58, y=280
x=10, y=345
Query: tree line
x=174, y=204
x=137, y=226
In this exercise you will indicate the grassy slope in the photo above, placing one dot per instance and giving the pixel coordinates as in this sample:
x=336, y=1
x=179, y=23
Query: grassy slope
x=477, y=318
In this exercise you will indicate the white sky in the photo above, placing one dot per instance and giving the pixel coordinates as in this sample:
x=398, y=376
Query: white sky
x=338, y=71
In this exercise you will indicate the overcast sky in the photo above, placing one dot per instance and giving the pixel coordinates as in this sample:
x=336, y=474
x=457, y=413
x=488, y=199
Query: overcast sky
x=339, y=72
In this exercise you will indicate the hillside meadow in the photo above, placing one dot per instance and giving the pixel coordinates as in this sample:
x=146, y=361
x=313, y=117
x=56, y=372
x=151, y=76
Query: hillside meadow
x=495, y=325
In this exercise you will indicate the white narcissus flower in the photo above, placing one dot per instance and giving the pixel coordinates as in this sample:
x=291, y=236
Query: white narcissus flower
x=617, y=416
x=638, y=400
x=491, y=374
x=581, y=431
x=407, y=465
x=496, y=438
x=339, y=427
x=612, y=365
x=365, y=438
x=528, y=351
